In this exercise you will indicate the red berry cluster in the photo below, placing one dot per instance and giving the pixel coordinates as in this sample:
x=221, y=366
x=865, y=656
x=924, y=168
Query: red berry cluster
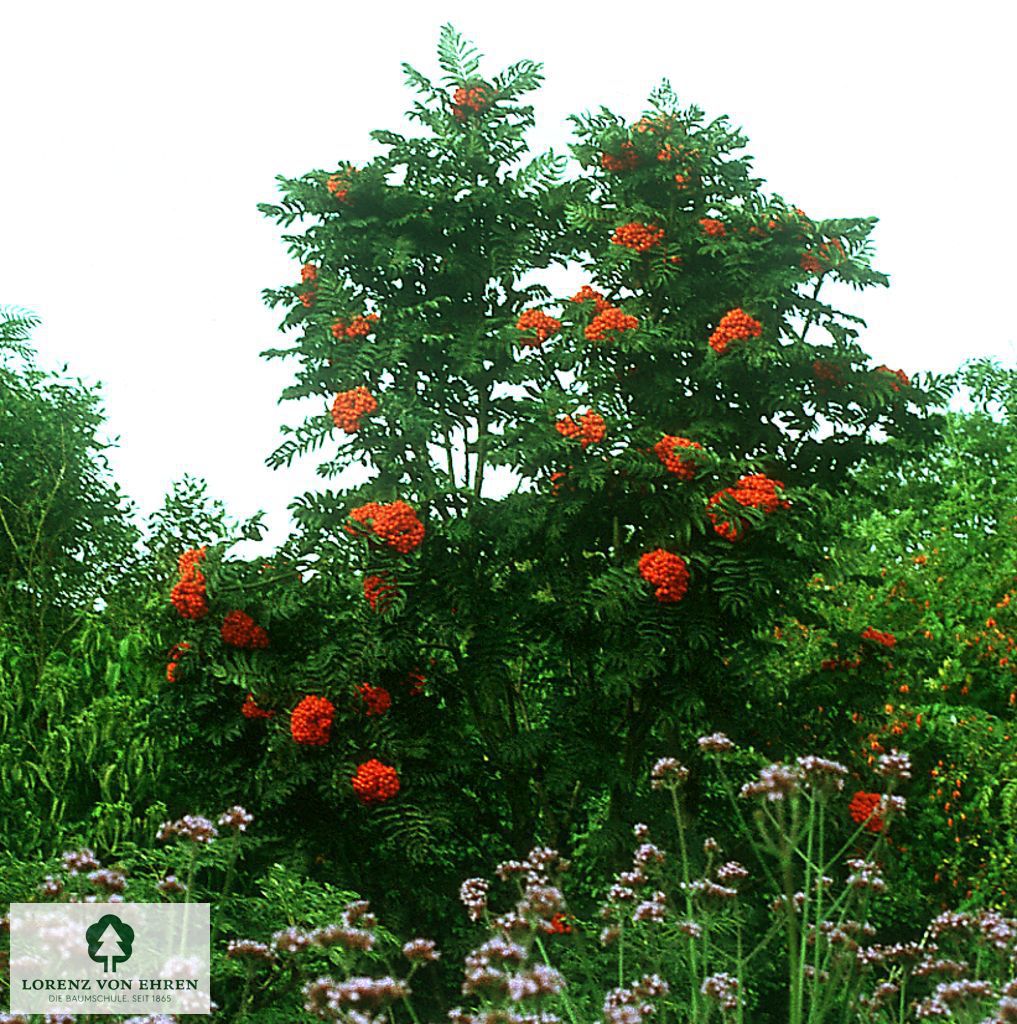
x=358, y=327
x=309, y=276
x=588, y=294
x=754, y=490
x=608, y=321
x=542, y=325
x=415, y=682
x=380, y=592
x=350, y=405
x=665, y=451
x=375, y=782
x=240, y=630
x=879, y=637
x=823, y=257
x=735, y=325
x=466, y=100
x=395, y=524
x=900, y=377
x=862, y=809
x=250, y=709
x=626, y=159
x=377, y=700
x=590, y=429
x=636, y=236
x=713, y=228
x=558, y=925
x=667, y=572
x=339, y=184
x=311, y=721
x=176, y=652
x=189, y=596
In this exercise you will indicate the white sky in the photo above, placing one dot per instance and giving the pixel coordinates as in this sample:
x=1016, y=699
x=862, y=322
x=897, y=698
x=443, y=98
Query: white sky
x=138, y=138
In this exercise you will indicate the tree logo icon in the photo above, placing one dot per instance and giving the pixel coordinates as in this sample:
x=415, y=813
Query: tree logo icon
x=110, y=942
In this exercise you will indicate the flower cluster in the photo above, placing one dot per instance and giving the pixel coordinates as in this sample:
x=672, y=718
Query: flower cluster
x=542, y=326
x=377, y=700
x=250, y=709
x=350, y=405
x=590, y=428
x=667, y=572
x=735, y=325
x=380, y=592
x=610, y=320
x=754, y=490
x=375, y=782
x=358, y=327
x=311, y=721
x=626, y=159
x=240, y=630
x=879, y=637
x=339, y=184
x=638, y=237
x=712, y=227
x=394, y=524
x=236, y=818
x=664, y=449
x=467, y=100
x=176, y=652
x=188, y=596
x=192, y=827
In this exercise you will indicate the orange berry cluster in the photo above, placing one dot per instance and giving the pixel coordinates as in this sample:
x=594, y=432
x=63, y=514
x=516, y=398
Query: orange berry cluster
x=542, y=325
x=625, y=160
x=380, y=592
x=377, y=700
x=590, y=429
x=468, y=100
x=878, y=637
x=588, y=294
x=712, y=227
x=250, y=709
x=754, y=490
x=735, y=325
x=665, y=451
x=309, y=276
x=358, y=327
x=375, y=782
x=862, y=809
x=189, y=596
x=395, y=524
x=311, y=721
x=176, y=652
x=636, y=236
x=609, y=321
x=667, y=572
x=350, y=405
x=901, y=378
x=823, y=257
x=339, y=184
x=240, y=630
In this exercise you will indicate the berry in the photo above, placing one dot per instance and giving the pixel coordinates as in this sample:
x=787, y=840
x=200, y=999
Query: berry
x=588, y=294
x=250, y=709
x=862, y=808
x=609, y=319
x=380, y=592
x=395, y=524
x=240, y=630
x=712, y=227
x=375, y=782
x=415, y=682
x=349, y=406
x=542, y=325
x=636, y=236
x=665, y=451
x=754, y=490
x=188, y=596
x=823, y=257
x=339, y=184
x=590, y=429
x=311, y=721
x=878, y=637
x=667, y=572
x=377, y=700
x=735, y=325
x=358, y=327
x=467, y=100
x=625, y=160
x=176, y=652
x=899, y=377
